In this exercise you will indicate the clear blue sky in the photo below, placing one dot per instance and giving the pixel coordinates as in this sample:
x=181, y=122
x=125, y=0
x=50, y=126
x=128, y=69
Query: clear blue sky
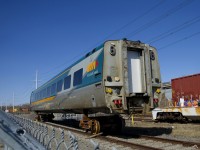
x=49, y=35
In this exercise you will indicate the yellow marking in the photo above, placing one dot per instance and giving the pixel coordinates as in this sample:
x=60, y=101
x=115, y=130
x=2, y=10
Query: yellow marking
x=197, y=109
x=43, y=100
x=132, y=117
x=108, y=90
x=91, y=66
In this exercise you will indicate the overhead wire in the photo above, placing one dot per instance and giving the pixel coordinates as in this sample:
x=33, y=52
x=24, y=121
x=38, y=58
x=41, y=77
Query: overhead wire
x=174, y=30
x=25, y=95
x=160, y=18
x=180, y=40
x=132, y=21
x=144, y=27
x=52, y=72
x=113, y=33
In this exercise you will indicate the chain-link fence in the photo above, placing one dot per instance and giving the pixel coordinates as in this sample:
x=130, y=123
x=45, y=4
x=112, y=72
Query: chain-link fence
x=48, y=136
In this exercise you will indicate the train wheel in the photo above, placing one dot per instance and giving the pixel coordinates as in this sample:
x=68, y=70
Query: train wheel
x=95, y=128
x=37, y=118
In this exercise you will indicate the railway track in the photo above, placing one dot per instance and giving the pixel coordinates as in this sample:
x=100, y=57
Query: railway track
x=128, y=141
x=132, y=141
x=184, y=143
x=149, y=119
x=98, y=137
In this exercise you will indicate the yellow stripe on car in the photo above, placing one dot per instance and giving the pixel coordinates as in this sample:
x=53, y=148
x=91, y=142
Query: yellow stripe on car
x=43, y=100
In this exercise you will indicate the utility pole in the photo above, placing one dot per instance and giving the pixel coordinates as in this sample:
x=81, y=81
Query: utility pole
x=13, y=102
x=36, y=80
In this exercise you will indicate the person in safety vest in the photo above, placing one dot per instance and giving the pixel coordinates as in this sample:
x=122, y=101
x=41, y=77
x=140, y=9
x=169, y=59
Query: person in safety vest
x=156, y=98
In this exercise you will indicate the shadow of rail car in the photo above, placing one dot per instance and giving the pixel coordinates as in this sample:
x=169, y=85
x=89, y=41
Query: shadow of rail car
x=132, y=131
x=149, y=131
x=68, y=122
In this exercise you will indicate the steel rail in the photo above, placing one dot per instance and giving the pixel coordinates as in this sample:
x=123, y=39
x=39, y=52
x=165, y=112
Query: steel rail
x=130, y=144
x=173, y=141
x=104, y=138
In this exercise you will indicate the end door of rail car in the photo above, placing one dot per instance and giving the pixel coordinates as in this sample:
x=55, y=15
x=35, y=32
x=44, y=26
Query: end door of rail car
x=134, y=72
x=131, y=75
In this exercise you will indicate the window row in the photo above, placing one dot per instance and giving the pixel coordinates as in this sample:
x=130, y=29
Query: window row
x=62, y=84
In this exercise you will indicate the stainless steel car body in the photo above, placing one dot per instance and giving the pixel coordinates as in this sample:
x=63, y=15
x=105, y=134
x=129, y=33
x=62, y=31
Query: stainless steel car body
x=117, y=77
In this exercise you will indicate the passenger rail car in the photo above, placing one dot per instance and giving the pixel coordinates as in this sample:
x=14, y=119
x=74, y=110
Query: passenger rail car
x=118, y=77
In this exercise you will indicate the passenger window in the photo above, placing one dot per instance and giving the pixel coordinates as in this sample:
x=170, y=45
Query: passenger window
x=45, y=93
x=32, y=97
x=67, y=82
x=36, y=96
x=40, y=94
x=78, y=77
x=53, y=89
x=49, y=91
x=59, y=85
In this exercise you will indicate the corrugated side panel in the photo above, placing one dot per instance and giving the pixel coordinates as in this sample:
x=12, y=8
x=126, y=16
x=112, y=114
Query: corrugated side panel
x=186, y=86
